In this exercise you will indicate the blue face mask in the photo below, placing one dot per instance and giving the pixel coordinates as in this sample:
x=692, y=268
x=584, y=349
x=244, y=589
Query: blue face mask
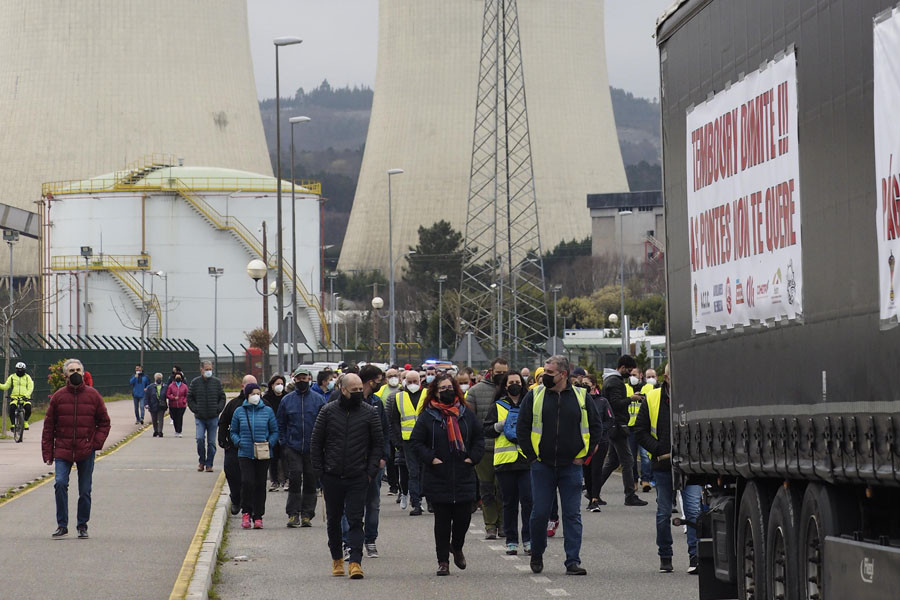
x=331, y=384
x=429, y=378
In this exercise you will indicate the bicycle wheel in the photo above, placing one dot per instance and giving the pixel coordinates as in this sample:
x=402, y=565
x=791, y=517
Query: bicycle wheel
x=19, y=425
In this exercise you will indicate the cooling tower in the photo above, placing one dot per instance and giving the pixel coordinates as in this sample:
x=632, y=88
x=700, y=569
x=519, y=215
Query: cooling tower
x=87, y=86
x=423, y=118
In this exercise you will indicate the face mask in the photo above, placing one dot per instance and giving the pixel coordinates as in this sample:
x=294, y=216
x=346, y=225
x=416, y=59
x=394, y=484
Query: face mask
x=464, y=387
x=548, y=380
x=76, y=379
x=331, y=384
x=207, y=374
x=278, y=387
x=496, y=377
x=651, y=381
x=178, y=380
x=254, y=399
x=514, y=389
x=633, y=381
x=137, y=373
x=413, y=388
x=20, y=372
x=393, y=381
x=429, y=378
x=159, y=380
x=447, y=396
x=355, y=398
x=302, y=386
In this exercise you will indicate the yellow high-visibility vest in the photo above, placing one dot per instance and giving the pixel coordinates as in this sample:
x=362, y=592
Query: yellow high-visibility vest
x=633, y=407
x=505, y=451
x=537, y=427
x=408, y=413
x=654, y=398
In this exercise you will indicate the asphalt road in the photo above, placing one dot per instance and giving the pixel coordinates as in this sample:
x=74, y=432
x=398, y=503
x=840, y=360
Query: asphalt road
x=618, y=551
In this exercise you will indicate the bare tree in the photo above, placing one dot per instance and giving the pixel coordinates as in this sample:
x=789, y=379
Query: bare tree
x=128, y=322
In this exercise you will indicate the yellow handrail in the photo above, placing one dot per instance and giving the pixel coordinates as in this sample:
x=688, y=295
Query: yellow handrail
x=134, y=285
x=197, y=184
x=101, y=262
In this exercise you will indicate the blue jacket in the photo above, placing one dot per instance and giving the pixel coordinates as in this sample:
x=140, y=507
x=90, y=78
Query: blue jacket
x=261, y=419
x=296, y=416
x=138, y=384
x=153, y=401
x=318, y=389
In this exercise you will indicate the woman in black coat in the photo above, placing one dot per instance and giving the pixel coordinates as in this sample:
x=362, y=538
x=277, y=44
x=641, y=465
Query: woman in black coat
x=275, y=392
x=449, y=442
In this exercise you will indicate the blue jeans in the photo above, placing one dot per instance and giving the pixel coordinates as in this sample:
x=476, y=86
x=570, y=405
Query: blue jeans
x=206, y=448
x=545, y=480
x=647, y=473
x=373, y=509
x=138, y=408
x=61, y=487
x=690, y=497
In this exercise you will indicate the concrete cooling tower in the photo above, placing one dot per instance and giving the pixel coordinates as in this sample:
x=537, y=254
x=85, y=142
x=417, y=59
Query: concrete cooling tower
x=423, y=118
x=87, y=86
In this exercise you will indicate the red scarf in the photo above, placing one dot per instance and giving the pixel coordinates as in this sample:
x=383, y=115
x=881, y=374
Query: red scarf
x=450, y=412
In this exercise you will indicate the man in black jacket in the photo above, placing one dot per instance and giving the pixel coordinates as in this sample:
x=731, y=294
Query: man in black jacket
x=206, y=399
x=553, y=440
x=619, y=451
x=232, y=467
x=347, y=449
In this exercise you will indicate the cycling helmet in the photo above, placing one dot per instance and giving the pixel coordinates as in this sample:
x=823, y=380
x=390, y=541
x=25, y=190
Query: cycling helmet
x=20, y=365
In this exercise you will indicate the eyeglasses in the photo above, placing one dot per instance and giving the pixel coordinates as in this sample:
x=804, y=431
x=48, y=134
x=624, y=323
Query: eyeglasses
x=445, y=388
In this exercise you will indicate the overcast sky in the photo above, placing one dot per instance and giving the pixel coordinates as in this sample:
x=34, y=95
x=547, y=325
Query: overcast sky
x=340, y=38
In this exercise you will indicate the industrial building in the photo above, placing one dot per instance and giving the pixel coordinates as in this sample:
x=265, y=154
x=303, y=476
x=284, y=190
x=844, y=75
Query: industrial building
x=166, y=248
x=423, y=119
x=629, y=223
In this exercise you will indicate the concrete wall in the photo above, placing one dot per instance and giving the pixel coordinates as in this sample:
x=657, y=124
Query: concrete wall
x=605, y=232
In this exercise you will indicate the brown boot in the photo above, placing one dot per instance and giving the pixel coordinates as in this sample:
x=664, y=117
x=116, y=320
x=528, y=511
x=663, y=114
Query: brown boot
x=443, y=569
x=337, y=567
x=356, y=571
x=459, y=559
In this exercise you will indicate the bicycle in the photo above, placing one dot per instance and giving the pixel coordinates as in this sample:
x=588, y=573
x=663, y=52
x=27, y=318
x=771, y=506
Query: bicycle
x=18, y=421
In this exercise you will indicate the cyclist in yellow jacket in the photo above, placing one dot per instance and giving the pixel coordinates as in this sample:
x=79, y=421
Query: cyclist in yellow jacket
x=21, y=387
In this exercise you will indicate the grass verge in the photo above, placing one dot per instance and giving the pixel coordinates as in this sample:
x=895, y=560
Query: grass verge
x=221, y=558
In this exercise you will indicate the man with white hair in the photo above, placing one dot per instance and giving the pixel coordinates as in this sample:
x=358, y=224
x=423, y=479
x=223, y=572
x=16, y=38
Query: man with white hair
x=75, y=427
x=206, y=399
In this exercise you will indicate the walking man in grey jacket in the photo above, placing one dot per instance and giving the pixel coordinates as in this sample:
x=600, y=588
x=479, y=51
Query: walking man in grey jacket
x=206, y=399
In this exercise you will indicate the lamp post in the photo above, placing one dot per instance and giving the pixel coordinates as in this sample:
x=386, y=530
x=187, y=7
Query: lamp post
x=87, y=252
x=498, y=288
x=331, y=277
x=10, y=237
x=555, y=291
x=622, y=327
x=256, y=270
x=279, y=42
x=215, y=273
x=165, y=277
x=440, y=281
x=334, y=309
x=392, y=332
x=295, y=354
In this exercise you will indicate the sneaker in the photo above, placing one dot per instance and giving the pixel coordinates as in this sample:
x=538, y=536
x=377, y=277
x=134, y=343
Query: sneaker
x=552, y=526
x=416, y=511
x=429, y=506
x=257, y=524
x=512, y=549
x=392, y=491
x=398, y=498
x=526, y=547
x=235, y=508
x=356, y=571
x=274, y=486
x=575, y=569
x=404, y=501
x=26, y=425
x=371, y=550
x=501, y=533
x=646, y=487
x=601, y=501
x=305, y=522
x=633, y=500
x=443, y=569
x=293, y=521
x=337, y=568
x=594, y=506
x=537, y=563
x=82, y=533
x=286, y=487
x=665, y=564
x=490, y=533
x=60, y=532
x=245, y=521
x=694, y=568
x=346, y=552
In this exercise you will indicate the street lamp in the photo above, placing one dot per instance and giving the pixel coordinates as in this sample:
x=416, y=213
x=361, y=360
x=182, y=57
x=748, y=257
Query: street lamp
x=392, y=333
x=334, y=309
x=87, y=252
x=622, y=328
x=10, y=237
x=331, y=277
x=295, y=354
x=440, y=281
x=555, y=291
x=165, y=277
x=279, y=42
x=215, y=273
x=498, y=289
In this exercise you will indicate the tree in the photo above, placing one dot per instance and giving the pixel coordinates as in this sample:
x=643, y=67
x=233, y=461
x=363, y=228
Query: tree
x=258, y=338
x=439, y=252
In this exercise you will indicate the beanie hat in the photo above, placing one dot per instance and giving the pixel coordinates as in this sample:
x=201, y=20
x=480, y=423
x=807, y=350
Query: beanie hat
x=249, y=388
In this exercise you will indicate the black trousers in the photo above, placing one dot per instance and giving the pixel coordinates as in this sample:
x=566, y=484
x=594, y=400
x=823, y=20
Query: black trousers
x=276, y=465
x=177, y=418
x=341, y=494
x=156, y=417
x=232, y=474
x=593, y=473
x=390, y=469
x=403, y=472
x=515, y=488
x=619, y=454
x=451, y=522
x=302, y=492
x=253, y=486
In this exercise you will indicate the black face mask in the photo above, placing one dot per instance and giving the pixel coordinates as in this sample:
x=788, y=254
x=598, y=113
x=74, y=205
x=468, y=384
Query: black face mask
x=514, y=389
x=354, y=400
x=447, y=396
x=302, y=386
x=76, y=379
x=497, y=378
x=20, y=372
x=159, y=380
x=178, y=379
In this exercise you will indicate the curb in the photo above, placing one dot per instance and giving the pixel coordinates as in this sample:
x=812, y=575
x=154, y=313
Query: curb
x=201, y=580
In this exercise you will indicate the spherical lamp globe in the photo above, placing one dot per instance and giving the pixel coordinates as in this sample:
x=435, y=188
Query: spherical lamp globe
x=613, y=318
x=377, y=302
x=256, y=269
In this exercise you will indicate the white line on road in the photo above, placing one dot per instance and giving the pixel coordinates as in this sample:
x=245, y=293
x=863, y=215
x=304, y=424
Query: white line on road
x=497, y=547
x=557, y=592
x=510, y=557
x=540, y=579
x=523, y=567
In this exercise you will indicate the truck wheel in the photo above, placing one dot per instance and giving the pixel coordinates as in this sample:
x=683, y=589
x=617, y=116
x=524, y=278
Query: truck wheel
x=782, y=568
x=822, y=513
x=753, y=520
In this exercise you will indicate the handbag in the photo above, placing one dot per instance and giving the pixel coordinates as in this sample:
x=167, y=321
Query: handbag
x=261, y=450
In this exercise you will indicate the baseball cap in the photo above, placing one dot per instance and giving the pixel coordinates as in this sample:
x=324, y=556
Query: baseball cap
x=302, y=371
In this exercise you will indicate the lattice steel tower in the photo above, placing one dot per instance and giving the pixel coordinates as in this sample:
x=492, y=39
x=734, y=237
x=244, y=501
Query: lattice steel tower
x=503, y=276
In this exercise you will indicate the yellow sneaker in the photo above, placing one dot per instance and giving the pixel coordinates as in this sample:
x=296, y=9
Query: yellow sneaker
x=26, y=424
x=337, y=567
x=356, y=571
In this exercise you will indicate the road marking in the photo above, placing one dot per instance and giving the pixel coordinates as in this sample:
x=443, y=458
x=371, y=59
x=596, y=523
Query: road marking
x=540, y=579
x=510, y=557
x=522, y=567
x=476, y=531
x=497, y=547
x=180, y=589
x=555, y=592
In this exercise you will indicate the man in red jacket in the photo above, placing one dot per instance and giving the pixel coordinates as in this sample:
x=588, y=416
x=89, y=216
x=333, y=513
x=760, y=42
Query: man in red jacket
x=76, y=426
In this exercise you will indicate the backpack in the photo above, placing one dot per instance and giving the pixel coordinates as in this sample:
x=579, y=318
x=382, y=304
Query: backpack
x=512, y=419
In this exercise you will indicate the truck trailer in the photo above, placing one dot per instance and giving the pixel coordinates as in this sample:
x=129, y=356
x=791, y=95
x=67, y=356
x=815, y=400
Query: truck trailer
x=782, y=206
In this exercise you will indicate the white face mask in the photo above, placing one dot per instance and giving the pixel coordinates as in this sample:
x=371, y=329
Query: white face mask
x=393, y=381
x=254, y=399
x=207, y=374
x=633, y=380
x=278, y=388
x=413, y=387
x=651, y=381
x=464, y=387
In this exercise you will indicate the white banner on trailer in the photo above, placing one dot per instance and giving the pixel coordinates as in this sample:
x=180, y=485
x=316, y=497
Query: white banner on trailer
x=887, y=162
x=743, y=201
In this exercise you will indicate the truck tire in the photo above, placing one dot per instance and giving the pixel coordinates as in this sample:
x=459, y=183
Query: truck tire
x=752, y=523
x=782, y=563
x=822, y=513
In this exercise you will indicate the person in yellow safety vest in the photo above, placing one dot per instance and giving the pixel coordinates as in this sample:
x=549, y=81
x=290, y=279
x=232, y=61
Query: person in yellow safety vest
x=390, y=388
x=510, y=465
x=647, y=480
x=634, y=382
x=20, y=386
x=403, y=410
x=558, y=428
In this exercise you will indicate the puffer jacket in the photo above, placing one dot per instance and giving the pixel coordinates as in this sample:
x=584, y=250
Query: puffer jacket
x=615, y=393
x=296, y=418
x=253, y=423
x=153, y=401
x=347, y=442
x=454, y=479
x=138, y=384
x=76, y=424
x=481, y=398
x=206, y=397
x=177, y=395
